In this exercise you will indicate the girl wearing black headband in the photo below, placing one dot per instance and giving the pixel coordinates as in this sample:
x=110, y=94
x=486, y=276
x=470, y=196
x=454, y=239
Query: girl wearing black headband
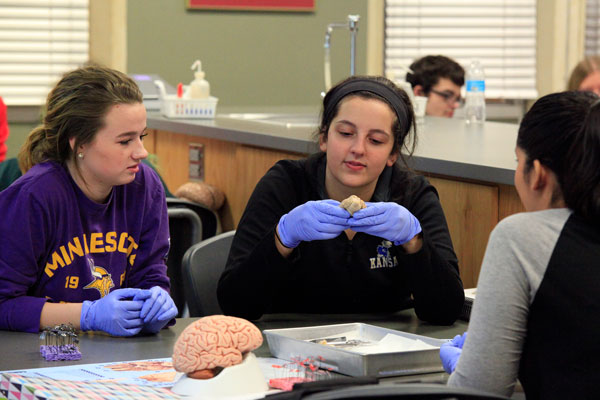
x=297, y=250
x=537, y=313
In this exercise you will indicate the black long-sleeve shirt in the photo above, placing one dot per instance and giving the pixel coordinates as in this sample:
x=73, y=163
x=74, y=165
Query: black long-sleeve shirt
x=365, y=274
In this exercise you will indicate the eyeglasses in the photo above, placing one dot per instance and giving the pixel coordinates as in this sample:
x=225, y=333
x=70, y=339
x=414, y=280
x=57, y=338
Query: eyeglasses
x=449, y=97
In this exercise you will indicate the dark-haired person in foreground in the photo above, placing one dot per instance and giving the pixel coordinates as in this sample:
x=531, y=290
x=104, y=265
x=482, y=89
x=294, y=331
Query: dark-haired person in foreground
x=537, y=312
x=296, y=250
x=438, y=78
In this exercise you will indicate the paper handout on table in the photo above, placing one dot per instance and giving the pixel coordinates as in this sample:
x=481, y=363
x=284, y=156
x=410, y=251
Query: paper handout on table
x=393, y=344
x=21, y=387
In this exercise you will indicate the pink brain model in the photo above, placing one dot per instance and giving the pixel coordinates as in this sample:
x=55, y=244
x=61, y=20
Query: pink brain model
x=214, y=341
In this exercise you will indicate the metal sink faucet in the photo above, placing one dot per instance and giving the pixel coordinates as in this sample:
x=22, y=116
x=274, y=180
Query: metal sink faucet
x=350, y=25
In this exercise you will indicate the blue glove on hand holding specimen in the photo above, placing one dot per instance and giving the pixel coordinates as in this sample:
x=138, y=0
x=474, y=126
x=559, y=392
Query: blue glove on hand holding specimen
x=313, y=220
x=117, y=313
x=390, y=221
x=450, y=352
x=158, y=309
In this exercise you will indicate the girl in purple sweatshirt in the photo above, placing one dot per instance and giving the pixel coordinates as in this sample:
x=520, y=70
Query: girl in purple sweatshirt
x=84, y=232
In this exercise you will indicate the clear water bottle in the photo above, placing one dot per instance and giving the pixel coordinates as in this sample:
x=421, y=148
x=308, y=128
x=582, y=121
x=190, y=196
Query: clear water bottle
x=475, y=97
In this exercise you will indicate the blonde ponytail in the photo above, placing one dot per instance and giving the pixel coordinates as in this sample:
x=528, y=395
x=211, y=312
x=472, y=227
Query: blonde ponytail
x=32, y=151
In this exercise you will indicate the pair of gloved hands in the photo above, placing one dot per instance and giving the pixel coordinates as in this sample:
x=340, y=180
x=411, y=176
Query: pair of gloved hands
x=325, y=219
x=450, y=352
x=129, y=311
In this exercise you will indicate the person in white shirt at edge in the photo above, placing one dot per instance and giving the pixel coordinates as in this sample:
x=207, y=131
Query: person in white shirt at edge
x=537, y=312
x=586, y=75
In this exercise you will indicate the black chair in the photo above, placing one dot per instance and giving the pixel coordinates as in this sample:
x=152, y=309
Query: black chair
x=189, y=223
x=403, y=391
x=9, y=172
x=185, y=230
x=211, y=225
x=202, y=265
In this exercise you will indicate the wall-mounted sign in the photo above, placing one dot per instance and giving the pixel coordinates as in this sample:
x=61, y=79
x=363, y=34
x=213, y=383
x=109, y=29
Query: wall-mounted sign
x=253, y=5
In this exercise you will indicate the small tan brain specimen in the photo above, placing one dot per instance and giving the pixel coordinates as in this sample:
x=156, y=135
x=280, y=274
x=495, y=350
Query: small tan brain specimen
x=214, y=341
x=352, y=204
x=199, y=192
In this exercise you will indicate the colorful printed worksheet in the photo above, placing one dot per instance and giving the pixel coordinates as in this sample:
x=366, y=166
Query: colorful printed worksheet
x=137, y=380
x=154, y=372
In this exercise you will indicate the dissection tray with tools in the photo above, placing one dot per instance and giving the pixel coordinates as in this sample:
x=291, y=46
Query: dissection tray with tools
x=358, y=349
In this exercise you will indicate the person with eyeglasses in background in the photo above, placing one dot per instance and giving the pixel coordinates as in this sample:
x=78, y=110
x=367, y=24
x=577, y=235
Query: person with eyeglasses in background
x=438, y=78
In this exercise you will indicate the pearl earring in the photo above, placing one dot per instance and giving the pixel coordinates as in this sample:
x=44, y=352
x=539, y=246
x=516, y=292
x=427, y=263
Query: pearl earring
x=80, y=156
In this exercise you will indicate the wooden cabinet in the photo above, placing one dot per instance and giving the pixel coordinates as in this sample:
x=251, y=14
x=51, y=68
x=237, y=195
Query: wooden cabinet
x=472, y=208
x=234, y=168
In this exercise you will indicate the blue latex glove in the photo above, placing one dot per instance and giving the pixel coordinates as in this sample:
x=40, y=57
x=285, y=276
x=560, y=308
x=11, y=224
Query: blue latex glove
x=116, y=313
x=450, y=352
x=155, y=326
x=390, y=221
x=313, y=220
x=158, y=308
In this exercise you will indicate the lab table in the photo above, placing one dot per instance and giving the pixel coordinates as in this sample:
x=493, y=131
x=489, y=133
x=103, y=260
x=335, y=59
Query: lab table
x=21, y=350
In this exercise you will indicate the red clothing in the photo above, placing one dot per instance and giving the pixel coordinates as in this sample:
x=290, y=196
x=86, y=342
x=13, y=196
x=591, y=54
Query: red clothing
x=3, y=130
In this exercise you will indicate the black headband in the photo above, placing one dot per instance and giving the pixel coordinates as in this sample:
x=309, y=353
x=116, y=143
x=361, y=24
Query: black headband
x=366, y=85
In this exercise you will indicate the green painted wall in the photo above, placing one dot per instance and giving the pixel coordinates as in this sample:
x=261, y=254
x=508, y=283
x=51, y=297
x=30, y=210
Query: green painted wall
x=18, y=134
x=250, y=58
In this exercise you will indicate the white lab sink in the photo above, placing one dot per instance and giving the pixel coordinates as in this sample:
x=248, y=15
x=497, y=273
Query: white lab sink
x=287, y=120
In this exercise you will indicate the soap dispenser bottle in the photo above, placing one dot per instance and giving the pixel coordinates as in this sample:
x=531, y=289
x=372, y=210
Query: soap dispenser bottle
x=199, y=87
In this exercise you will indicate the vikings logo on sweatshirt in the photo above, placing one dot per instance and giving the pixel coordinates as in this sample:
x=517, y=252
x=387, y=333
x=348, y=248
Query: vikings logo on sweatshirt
x=98, y=243
x=102, y=281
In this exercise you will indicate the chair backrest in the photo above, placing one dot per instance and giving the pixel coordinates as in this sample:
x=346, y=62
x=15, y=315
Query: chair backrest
x=9, y=172
x=203, y=264
x=404, y=391
x=211, y=225
x=185, y=229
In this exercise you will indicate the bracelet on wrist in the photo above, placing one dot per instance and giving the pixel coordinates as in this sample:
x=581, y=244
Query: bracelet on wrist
x=279, y=240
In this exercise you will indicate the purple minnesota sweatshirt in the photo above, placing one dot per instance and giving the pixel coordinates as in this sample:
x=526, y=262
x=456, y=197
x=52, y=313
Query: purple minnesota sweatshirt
x=57, y=245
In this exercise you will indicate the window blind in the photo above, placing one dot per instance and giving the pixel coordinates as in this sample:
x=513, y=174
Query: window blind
x=592, y=28
x=501, y=34
x=39, y=41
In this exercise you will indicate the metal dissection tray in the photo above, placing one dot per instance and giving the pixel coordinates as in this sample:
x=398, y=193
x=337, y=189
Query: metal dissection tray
x=299, y=343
